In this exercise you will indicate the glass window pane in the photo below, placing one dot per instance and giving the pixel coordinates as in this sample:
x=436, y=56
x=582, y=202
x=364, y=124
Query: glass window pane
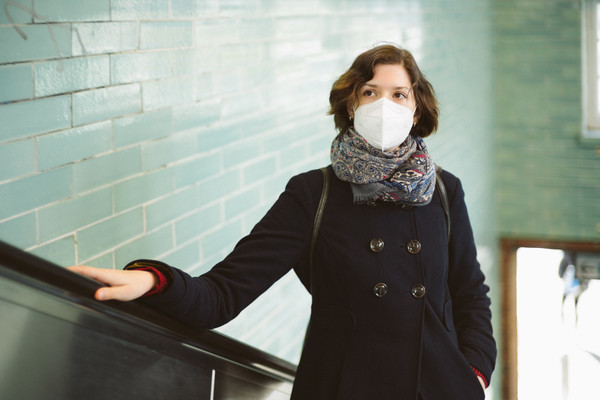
x=597, y=97
x=597, y=5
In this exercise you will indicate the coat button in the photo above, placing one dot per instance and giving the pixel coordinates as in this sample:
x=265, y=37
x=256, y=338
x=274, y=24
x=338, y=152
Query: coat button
x=376, y=245
x=380, y=289
x=413, y=247
x=418, y=291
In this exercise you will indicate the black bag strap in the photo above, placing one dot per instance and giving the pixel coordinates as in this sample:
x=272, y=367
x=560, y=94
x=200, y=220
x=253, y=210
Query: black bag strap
x=318, y=216
x=441, y=188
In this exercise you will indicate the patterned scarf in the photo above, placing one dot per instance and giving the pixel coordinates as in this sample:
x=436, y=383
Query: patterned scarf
x=404, y=176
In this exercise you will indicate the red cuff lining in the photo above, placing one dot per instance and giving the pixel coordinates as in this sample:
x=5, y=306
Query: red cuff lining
x=479, y=374
x=162, y=281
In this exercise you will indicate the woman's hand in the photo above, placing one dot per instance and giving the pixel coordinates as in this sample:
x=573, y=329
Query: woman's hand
x=482, y=382
x=123, y=285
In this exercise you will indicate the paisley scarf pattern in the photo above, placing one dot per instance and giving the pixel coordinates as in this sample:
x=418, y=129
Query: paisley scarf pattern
x=405, y=176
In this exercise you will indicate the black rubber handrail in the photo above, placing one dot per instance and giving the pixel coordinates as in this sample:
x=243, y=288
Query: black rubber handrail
x=47, y=276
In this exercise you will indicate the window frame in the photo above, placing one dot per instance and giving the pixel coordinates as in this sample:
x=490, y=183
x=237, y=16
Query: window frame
x=591, y=75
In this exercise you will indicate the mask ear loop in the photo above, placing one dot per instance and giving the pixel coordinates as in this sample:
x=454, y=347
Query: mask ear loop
x=415, y=119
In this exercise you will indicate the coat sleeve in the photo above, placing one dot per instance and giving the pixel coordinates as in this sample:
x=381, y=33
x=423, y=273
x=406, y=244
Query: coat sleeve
x=275, y=245
x=471, y=304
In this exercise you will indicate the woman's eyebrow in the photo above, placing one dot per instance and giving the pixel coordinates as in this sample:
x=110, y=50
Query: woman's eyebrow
x=374, y=86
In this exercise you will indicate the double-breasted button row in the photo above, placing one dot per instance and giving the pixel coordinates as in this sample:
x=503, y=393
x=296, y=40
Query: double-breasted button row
x=380, y=289
x=417, y=291
x=376, y=245
x=413, y=247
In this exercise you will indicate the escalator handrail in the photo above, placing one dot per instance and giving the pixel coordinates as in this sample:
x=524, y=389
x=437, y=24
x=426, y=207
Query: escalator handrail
x=45, y=275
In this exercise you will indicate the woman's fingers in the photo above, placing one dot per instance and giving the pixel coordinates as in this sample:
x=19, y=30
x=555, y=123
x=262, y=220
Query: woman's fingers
x=99, y=274
x=481, y=382
x=122, y=293
x=123, y=285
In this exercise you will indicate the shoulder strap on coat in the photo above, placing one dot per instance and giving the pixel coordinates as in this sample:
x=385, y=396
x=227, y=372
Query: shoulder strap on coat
x=439, y=184
x=318, y=216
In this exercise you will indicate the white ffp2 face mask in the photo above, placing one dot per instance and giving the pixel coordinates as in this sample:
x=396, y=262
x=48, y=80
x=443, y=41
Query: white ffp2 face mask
x=383, y=123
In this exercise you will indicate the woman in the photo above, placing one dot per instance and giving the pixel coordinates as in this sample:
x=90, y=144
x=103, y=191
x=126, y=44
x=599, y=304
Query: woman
x=400, y=309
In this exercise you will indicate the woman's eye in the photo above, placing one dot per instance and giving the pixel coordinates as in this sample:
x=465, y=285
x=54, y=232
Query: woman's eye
x=400, y=95
x=368, y=93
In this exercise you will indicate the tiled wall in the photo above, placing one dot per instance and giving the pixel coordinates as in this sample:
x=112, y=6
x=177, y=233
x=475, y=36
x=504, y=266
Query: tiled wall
x=155, y=128
x=548, y=178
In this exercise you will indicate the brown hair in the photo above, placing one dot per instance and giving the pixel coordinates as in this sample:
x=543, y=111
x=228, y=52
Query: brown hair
x=344, y=92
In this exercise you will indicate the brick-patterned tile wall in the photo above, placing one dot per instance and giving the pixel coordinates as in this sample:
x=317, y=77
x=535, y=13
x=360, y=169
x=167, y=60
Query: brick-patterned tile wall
x=548, y=177
x=167, y=128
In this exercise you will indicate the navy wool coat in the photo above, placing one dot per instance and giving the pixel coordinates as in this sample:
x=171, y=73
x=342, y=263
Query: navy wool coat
x=397, y=311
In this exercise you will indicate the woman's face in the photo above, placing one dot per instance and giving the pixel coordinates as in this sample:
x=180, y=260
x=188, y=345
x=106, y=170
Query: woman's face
x=390, y=81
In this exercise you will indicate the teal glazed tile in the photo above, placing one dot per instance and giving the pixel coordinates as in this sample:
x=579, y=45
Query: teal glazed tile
x=105, y=103
x=104, y=37
x=198, y=8
x=169, y=150
x=194, y=61
x=150, y=245
x=196, y=115
x=210, y=32
x=193, y=171
x=74, y=144
x=38, y=44
x=241, y=202
x=35, y=191
x=17, y=159
x=142, y=127
x=20, y=12
x=16, y=82
x=72, y=214
x=184, y=257
x=259, y=170
x=20, y=120
x=248, y=54
x=239, y=7
x=139, y=9
x=60, y=252
x=73, y=10
x=221, y=239
x=20, y=231
x=218, y=136
x=137, y=67
x=167, y=93
x=110, y=233
x=169, y=34
x=204, y=86
x=258, y=29
x=105, y=261
x=54, y=77
x=100, y=171
x=237, y=153
x=171, y=207
x=234, y=106
x=142, y=189
x=213, y=190
x=194, y=225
